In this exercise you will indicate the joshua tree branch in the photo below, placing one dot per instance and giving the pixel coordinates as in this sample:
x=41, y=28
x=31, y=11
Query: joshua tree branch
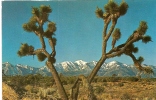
x=104, y=35
x=136, y=62
x=135, y=36
x=42, y=41
x=51, y=43
x=39, y=51
x=107, y=36
x=122, y=49
x=106, y=26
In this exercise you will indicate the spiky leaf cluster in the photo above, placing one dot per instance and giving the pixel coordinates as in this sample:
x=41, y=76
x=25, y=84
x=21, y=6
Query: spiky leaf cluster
x=135, y=49
x=142, y=28
x=131, y=49
x=41, y=56
x=146, y=39
x=99, y=12
x=51, y=29
x=123, y=8
x=45, y=9
x=41, y=14
x=140, y=59
x=25, y=49
x=35, y=11
x=116, y=34
x=112, y=7
x=148, y=70
x=31, y=25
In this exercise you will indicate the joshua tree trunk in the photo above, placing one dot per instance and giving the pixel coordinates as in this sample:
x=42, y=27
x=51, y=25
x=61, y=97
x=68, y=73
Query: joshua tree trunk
x=96, y=69
x=86, y=87
x=59, y=85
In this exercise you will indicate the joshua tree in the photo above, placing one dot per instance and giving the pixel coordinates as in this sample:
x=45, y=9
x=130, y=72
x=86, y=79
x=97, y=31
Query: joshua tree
x=35, y=24
x=112, y=13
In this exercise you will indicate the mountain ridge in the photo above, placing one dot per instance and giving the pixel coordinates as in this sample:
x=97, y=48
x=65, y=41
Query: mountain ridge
x=74, y=68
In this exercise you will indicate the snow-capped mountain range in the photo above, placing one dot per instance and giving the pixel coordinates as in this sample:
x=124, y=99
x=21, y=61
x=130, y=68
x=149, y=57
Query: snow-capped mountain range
x=74, y=68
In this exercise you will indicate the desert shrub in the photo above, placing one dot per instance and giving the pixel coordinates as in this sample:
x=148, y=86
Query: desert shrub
x=131, y=79
x=8, y=93
x=28, y=88
x=99, y=79
x=125, y=96
x=112, y=79
x=99, y=90
x=95, y=79
x=34, y=90
x=105, y=84
x=71, y=80
x=120, y=84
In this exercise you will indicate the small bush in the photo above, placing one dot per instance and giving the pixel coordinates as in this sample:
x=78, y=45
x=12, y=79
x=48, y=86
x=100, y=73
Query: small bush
x=132, y=79
x=99, y=90
x=125, y=96
x=112, y=79
x=120, y=84
x=105, y=84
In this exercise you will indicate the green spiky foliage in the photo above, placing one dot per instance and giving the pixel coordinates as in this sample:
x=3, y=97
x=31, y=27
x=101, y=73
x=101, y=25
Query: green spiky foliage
x=45, y=10
x=25, y=49
x=51, y=29
x=41, y=56
x=116, y=36
x=142, y=28
x=131, y=49
x=135, y=49
x=35, y=11
x=148, y=70
x=123, y=8
x=140, y=59
x=39, y=14
x=111, y=7
x=99, y=12
x=31, y=26
x=146, y=39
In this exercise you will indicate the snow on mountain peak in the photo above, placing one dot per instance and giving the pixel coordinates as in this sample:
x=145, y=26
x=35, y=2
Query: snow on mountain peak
x=66, y=63
x=112, y=63
x=6, y=63
x=80, y=62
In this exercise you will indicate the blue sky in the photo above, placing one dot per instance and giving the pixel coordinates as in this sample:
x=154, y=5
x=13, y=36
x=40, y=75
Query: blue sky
x=79, y=31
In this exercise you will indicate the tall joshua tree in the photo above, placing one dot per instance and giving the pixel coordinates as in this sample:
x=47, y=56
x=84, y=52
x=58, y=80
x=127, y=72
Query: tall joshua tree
x=35, y=24
x=112, y=13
